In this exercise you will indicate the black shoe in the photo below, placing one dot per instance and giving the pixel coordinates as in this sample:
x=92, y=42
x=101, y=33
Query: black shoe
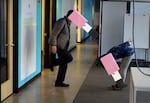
x=121, y=84
x=119, y=87
x=61, y=85
x=115, y=87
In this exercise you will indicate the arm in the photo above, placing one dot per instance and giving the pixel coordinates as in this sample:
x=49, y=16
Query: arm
x=55, y=33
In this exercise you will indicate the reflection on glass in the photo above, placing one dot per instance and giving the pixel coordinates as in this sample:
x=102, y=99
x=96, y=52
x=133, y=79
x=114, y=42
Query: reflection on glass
x=3, y=41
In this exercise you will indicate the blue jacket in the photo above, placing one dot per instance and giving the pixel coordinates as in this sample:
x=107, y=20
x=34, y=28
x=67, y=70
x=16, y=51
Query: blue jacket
x=122, y=50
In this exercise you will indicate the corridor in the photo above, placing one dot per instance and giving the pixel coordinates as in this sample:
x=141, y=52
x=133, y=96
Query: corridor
x=42, y=89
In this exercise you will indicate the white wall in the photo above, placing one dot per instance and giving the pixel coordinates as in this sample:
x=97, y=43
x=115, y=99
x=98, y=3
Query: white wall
x=112, y=24
x=140, y=9
x=141, y=30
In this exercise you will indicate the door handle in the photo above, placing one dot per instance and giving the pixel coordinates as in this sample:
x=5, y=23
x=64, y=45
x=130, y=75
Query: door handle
x=10, y=45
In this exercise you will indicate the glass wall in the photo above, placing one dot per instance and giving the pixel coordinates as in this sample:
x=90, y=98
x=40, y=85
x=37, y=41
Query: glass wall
x=29, y=40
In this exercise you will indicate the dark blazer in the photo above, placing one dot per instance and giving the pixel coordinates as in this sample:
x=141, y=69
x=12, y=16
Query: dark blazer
x=60, y=35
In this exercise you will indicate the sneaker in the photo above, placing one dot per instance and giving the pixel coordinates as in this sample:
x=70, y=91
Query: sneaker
x=61, y=85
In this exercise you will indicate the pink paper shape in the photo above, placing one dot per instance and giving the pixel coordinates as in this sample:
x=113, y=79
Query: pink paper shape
x=109, y=64
x=77, y=19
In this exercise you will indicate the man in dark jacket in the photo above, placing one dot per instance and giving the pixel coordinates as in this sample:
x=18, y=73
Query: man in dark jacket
x=59, y=43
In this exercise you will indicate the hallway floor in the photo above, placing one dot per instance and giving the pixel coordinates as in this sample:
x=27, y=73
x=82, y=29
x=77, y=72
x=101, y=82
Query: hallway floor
x=42, y=89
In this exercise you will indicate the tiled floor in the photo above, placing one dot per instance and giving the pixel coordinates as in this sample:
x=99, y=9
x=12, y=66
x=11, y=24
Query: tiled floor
x=42, y=89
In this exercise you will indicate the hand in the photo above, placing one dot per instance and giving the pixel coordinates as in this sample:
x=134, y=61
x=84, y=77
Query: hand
x=53, y=49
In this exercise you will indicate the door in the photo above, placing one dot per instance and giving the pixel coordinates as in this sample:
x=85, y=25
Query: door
x=50, y=18
x=6, y=48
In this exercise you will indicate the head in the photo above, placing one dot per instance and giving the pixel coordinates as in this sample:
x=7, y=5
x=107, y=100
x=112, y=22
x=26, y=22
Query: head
x=68, y=13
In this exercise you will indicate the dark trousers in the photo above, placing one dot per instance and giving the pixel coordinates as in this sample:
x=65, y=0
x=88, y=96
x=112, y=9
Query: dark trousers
x=64, y=58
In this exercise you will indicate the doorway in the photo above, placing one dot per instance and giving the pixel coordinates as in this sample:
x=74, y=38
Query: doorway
x=6, y=47
x=50, y=18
